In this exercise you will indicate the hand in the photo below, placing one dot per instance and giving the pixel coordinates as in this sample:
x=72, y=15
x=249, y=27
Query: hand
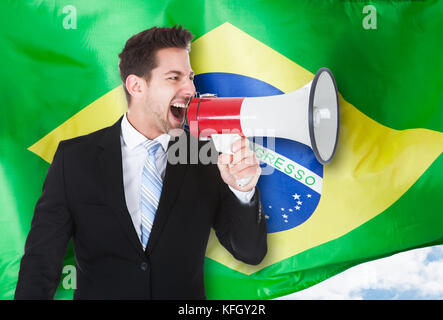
x=244, y=164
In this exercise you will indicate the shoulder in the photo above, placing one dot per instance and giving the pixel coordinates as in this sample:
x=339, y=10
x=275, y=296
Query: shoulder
x=88, y=146
x=86, y=141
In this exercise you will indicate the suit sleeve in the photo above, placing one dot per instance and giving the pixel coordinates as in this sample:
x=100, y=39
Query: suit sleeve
x=46, y=244
x=241, y=228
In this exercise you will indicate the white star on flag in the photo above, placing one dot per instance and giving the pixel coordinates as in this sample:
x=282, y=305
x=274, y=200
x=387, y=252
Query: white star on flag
x=296, y=196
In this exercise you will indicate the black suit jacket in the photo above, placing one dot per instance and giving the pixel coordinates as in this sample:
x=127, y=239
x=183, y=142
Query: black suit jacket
x=83, y=199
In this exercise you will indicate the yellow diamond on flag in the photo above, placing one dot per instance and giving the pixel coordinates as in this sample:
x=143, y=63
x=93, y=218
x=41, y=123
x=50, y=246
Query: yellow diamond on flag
x=100, y=114
x=354, y=183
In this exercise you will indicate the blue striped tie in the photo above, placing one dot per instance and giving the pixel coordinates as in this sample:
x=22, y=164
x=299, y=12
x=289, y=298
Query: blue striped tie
x=151, y=187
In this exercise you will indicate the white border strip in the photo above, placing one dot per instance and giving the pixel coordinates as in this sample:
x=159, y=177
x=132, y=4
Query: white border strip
x=288, y=167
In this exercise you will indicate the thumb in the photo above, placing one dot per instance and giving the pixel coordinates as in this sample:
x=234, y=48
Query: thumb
x=223, y=160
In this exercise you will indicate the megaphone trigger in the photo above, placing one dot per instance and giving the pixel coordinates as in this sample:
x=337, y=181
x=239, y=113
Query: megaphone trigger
x=223, y=142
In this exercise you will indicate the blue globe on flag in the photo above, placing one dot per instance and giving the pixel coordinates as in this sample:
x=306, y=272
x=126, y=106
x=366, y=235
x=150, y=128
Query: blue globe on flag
x=290, y=184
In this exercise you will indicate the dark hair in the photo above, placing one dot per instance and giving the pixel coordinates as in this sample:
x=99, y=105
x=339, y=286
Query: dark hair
x=138, y=55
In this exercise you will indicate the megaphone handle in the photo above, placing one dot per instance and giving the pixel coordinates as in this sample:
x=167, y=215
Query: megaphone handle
x=223, y=144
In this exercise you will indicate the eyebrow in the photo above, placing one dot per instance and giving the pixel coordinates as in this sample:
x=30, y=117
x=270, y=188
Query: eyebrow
x=179, y=72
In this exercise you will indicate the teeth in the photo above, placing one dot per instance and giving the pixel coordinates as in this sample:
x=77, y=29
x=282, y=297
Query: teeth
x=179, y=105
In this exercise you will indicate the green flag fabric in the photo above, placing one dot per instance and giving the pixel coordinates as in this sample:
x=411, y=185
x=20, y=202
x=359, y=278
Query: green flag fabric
x=378, y=196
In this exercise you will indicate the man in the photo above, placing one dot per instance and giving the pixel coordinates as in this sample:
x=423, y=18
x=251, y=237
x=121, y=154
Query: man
x=139, y=223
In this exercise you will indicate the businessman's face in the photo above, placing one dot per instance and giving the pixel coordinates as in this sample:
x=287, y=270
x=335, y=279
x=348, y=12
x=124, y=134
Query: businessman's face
x=169, y=89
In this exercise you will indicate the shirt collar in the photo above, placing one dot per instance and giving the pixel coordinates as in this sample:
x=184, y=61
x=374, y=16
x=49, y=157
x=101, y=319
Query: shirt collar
x=133, y=138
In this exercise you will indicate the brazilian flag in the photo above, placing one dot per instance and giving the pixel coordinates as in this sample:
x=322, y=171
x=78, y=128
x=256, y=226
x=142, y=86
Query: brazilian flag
x=381, y=193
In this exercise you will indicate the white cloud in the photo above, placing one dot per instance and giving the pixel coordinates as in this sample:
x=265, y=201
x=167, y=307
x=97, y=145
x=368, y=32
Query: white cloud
x=415, y=274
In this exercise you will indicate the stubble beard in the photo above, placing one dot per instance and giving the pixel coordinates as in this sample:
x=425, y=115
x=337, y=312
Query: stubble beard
x=166, y=127
x=175, y=131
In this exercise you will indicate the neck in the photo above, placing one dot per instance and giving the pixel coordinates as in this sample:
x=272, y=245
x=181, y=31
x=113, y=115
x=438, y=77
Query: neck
x=142, y=123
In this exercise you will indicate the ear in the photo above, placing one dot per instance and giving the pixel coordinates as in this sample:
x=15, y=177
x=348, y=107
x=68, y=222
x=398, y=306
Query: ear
x=134, y=85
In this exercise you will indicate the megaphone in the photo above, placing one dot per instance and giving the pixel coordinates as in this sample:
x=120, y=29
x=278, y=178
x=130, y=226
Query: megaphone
x=309, y=115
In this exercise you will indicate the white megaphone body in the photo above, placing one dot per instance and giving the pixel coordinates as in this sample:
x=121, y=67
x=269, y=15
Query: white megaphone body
x=309, y=115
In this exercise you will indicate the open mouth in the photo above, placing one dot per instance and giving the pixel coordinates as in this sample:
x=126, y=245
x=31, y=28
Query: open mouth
x=178, y=110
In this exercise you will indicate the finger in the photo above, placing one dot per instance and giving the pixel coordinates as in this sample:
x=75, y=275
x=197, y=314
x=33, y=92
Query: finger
x=224, y=169
x=250, y=160
x=224, y=159
x=243, y=155
x=242, y=170
x=250, y=171
x=242, y=143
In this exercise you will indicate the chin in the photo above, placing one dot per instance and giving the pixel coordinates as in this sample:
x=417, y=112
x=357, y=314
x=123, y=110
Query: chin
x=174, y=126
x=176, y=130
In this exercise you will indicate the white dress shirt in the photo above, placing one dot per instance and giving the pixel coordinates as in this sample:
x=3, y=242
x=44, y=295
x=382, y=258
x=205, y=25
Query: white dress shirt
x=133, y=157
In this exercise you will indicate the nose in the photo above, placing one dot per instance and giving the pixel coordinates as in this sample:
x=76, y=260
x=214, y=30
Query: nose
x=188, y=88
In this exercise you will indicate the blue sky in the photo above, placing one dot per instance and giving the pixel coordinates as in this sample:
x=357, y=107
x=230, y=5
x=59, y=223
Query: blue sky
x=415, y=274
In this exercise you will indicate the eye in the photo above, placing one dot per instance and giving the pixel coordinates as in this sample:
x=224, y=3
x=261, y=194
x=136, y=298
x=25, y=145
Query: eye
x=175, y=78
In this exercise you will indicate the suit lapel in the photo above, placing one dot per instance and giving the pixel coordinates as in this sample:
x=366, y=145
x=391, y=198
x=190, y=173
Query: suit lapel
x=111, y=168
x=171, y=187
